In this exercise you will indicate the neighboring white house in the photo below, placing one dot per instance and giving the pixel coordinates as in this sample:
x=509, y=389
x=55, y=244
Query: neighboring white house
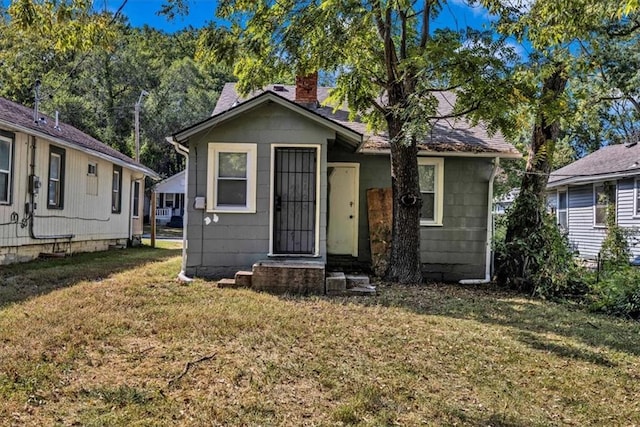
x=503, y=203
x=169, y=198
x=62, y=191
x=581, y=192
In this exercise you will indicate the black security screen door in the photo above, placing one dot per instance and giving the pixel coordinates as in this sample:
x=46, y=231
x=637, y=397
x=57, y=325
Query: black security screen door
x=294, y=228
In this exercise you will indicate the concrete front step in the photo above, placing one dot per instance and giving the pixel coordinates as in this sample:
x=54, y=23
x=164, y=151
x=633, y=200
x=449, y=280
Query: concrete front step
x=362, y=290
x=336, y=283
x=357, y=280
x=299, y=277
x=243, y=279
x=227, y=283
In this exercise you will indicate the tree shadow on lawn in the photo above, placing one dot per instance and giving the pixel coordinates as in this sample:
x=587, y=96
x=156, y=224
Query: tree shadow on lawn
x=19, y=282
x=493, y=305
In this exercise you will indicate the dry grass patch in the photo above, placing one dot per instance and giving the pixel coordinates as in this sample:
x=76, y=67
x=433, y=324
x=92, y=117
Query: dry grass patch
x=112, y=351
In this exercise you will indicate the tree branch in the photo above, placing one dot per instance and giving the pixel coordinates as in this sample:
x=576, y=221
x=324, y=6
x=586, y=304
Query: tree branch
x=188, y=366
x=426, y=17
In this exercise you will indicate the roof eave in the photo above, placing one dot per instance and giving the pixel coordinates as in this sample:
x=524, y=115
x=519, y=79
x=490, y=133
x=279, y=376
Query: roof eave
x=74, y=146
x=593, y=178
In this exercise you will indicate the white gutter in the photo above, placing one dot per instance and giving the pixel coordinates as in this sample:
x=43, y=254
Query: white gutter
x=487, y=262
x=426, y=153
x=184, y=151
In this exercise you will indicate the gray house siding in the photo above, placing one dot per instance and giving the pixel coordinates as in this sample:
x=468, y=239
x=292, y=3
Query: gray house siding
x=375, y=172
x=228, y=242
x=457, y=249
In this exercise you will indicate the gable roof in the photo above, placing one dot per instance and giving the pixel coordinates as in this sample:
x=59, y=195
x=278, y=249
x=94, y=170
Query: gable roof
x=610, y=162
x=17, y=117
x=451, y=135
x=173, y=184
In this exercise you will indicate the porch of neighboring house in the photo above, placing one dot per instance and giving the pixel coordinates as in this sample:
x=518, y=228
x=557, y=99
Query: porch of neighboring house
x=170, y=200
x=168, y=207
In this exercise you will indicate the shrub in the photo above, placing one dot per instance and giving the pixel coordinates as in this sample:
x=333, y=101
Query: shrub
x=617, y=292
x=550, y=270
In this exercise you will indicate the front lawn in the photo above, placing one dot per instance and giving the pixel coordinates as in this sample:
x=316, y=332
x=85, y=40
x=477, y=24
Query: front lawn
x=114, y=339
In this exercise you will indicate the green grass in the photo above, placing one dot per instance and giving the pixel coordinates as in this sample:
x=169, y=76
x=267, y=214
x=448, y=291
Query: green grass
x=104, y=339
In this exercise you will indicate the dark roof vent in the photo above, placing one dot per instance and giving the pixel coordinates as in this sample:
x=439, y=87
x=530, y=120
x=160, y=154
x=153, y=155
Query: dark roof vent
x=279, y=88
x=630, y=144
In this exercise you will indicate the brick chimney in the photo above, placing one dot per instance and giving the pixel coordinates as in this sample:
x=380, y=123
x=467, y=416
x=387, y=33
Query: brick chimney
x=307, y=90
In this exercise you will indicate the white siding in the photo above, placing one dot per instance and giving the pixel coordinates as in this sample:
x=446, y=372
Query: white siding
x=85, y=215
x=626, y=217
x=584, y=237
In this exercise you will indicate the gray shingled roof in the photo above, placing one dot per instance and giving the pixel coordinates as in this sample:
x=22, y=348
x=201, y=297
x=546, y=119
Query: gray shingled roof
x=612, y=161
x=18, y=116
x=447, y=135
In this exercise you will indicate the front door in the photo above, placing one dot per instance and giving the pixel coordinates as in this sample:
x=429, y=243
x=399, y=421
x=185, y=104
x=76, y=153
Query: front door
x=342, y=226
x=294, y=198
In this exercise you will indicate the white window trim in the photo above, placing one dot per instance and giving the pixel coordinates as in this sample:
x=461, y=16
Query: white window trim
x=8, y=172
x=215, y=148
x=95, y=166
x=595, y=201
x=133, y=193
x=636, y=193
x=438, y=204
x=318, y=147
x=566, y=191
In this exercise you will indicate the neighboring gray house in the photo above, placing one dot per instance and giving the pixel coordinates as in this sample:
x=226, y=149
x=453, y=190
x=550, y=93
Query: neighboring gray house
x=279, y=176
x=579, y=194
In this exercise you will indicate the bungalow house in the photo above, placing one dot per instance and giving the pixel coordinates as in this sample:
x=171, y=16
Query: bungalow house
x=169, y=198
x=279, y=176
x=62, y=191
x=581, y=192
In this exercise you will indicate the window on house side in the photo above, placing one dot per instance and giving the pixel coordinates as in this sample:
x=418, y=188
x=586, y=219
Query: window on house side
x=6, y=168
x=562, y=213
x=136, y=199
x=636, y=199
x=116, y=193
x=232, y=177
x=604, y=195
x=55, y=194
x=431, y=176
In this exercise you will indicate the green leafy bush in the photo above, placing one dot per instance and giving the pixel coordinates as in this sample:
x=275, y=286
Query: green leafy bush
x=550, y=270
x=617, y=292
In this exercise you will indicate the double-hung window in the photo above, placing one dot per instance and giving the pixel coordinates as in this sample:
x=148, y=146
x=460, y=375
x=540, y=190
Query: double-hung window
x=636, y=198
x=604, y=198
x=6, y=167
x=136, y=199
x=431, y=175
x=55, y=194
x=232, y=170
x=562, y=212
x=116, y=189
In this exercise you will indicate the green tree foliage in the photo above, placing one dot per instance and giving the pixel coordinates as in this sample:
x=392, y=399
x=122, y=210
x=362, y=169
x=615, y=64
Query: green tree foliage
x=388, y=63
x=95, y=82
x=554, y=29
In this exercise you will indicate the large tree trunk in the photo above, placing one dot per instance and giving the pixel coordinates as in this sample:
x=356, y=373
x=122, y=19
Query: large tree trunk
x=525, y=219
x=404, y=266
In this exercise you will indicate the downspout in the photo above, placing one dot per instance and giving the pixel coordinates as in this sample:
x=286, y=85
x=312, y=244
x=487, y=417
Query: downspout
x=32, y=199
x=487, y=262
x=183, y=151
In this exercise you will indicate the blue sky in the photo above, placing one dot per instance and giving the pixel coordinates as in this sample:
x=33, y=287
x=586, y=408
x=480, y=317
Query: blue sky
x=139, y=12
